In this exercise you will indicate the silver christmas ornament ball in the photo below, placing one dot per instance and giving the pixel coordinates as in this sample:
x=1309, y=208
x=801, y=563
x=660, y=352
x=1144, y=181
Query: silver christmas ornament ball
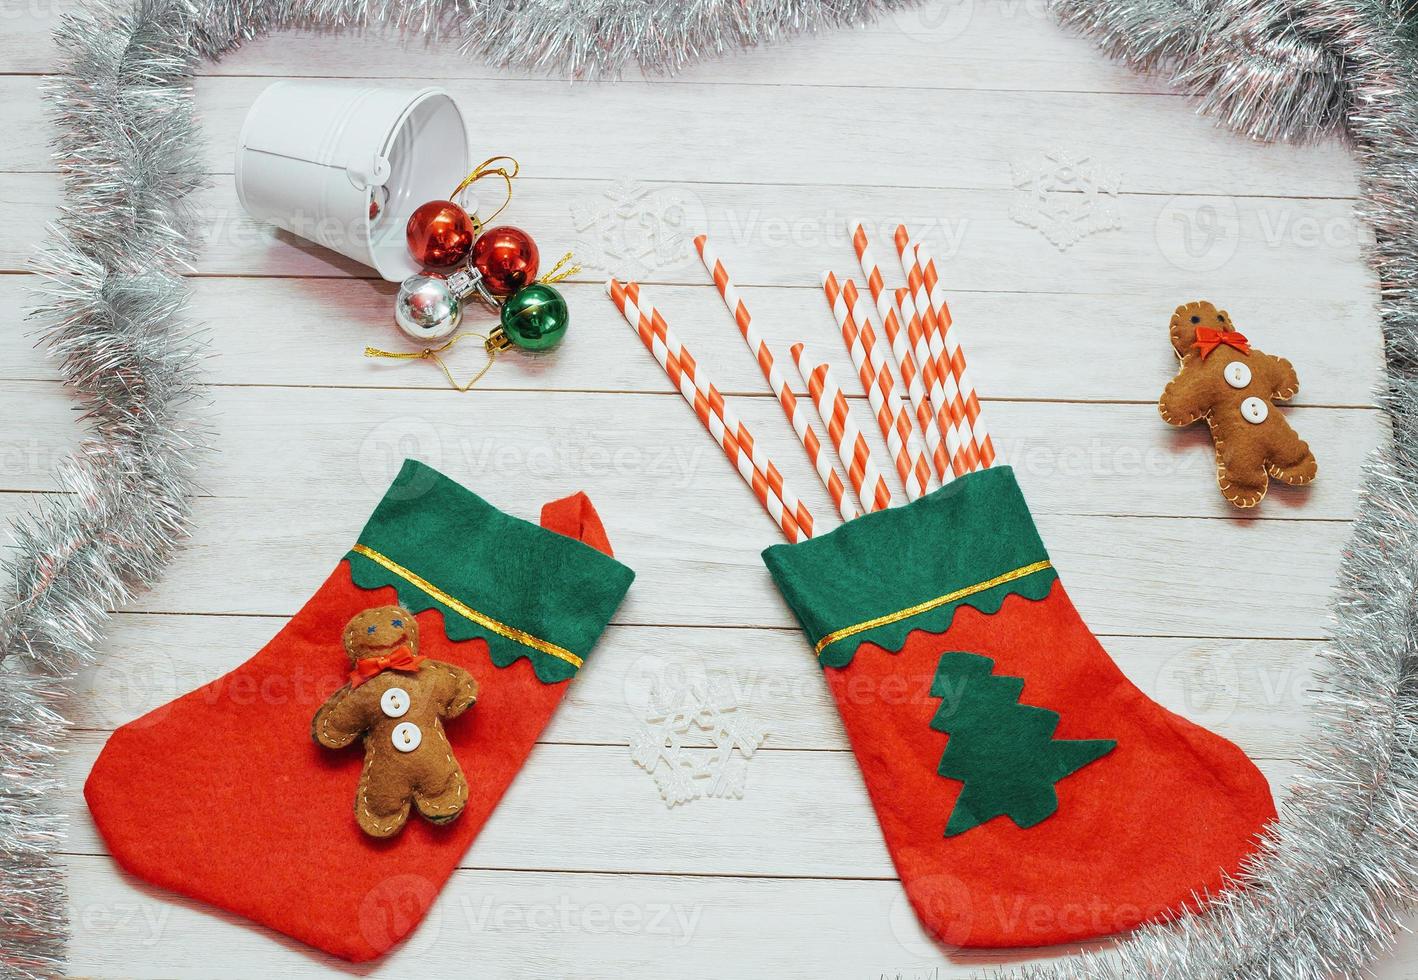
x=427, y=308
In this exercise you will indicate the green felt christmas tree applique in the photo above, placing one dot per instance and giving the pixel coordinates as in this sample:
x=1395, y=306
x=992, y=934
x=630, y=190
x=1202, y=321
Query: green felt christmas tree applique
x=1003, y=751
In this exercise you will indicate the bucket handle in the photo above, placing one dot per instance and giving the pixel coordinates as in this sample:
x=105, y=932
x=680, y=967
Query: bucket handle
x=371, y=175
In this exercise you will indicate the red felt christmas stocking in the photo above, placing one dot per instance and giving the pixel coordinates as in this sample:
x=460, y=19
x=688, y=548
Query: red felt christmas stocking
x=1028, y=792
x=328, y=787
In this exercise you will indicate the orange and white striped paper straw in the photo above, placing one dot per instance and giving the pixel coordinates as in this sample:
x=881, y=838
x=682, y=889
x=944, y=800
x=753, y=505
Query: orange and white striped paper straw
x=720, y=407
x=849, y=309
x=967, y=457
x=915, y=374
x=956, y=354
x=842, y=429
x=726, y=431
x=964, y=456
x=796, y=413
x=938, y=399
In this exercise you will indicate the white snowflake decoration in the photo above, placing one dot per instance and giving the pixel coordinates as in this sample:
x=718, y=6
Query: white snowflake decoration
x=1065, y=197
x=634, y=229
x=677, y=713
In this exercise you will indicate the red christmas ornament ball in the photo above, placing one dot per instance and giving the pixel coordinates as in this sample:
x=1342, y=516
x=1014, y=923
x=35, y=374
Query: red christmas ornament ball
x=440, y=234
x=508, y=259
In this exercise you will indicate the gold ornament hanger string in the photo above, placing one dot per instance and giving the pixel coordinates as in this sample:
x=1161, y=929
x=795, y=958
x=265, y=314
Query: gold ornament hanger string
x=564, y=269
x=486, y=169
x=434, y=354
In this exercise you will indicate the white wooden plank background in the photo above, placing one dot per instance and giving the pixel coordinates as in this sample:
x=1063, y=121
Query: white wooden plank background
x=771, y=151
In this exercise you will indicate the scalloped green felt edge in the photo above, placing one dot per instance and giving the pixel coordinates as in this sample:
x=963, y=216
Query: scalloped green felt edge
x=876, y=569
x=531, y=592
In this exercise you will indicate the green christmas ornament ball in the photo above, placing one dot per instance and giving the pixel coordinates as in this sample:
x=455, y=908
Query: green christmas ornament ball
x=535, y=317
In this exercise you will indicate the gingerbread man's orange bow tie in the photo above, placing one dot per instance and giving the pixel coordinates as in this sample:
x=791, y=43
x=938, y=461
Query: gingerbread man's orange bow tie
x=402, y=659
x=1208, y=339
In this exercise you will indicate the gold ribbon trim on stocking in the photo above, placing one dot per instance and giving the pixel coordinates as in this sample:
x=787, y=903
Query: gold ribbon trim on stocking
x=928, y=605
x=466, y=611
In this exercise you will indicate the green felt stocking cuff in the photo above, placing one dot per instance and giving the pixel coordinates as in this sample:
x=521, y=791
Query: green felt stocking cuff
x=527, y=591
x=877, y=578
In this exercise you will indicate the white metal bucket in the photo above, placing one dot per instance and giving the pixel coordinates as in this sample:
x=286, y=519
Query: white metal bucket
x=313, y=156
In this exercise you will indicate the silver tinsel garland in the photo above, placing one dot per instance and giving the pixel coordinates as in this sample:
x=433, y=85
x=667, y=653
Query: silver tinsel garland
x=1326, y=894
x=112, y=318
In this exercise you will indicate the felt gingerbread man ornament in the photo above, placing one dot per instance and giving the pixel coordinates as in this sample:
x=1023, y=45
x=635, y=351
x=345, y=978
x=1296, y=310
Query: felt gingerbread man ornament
x=1234, y=388
x=397, y=700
